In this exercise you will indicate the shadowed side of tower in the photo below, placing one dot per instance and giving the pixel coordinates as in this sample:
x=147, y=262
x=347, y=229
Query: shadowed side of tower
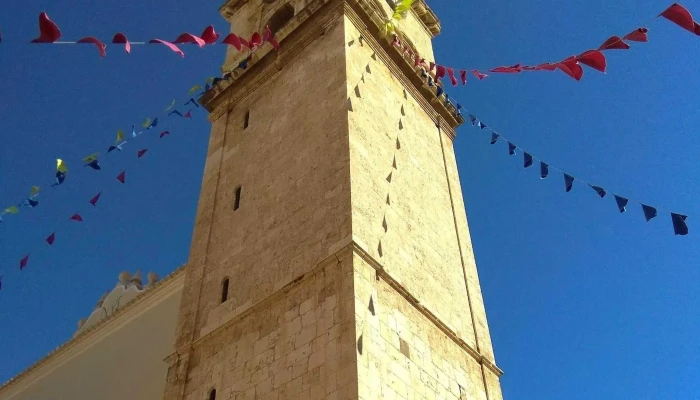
x=330, y=258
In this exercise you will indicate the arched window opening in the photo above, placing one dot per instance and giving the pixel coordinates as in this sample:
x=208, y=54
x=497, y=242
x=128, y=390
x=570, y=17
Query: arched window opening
x=280, y=18
x=224, y=297
x=212, y=394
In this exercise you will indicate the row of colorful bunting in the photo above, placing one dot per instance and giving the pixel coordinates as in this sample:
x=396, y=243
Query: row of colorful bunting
x=49, y=32
x=571, y=66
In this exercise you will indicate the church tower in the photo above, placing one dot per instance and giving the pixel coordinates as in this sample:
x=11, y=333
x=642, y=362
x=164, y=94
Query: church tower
x=331, y=257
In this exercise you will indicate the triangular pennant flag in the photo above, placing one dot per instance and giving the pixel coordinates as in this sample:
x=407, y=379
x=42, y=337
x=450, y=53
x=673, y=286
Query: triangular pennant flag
x=439, y=91
x=193, y=89
x=593, y=58
x=167, y=44
x=621, y=203
x=23, y=262
x=188, y=114
x=544, y=169
x=170, y=106
x=614, y=43
x=451, y=74
x=121, y=38
x=637, y=35
x=133, y=127
x=233, y=40
x=193, y=101
x=677, y=14
x=189, y=38
x=122, y=177
x=113, y=147
x=511, y=149
x=61, y=166
x=164, y=133
x=479, y=74
x=472, y=119
x=568, y=182
x=30, y=203
x=60, y=177
x=494, y=137
x=95, y=199
x=48, y=30
x=209, y=35
x=51, y=238
x=11, y=210
x=463, y=76
x=34, y=191
x=76, y=217
x=145, y=124
x=481, y=125
x=601, y=192
x=101, y=47
x=679, y=225
x=94, y=164
x=153, y=124
x=120, y=136
x=176, y=112
x=649, y=212
x=141, y=153
x=527, y=159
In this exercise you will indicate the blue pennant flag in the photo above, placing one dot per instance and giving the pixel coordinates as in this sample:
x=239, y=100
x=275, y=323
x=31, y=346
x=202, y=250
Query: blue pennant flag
x=176, y=112
x=679, y=225
x=481, y=125
x=193, y=101
x=544, y=169
x=60, y=177
x=29, y=203
x=472, y=119
x=568, y=182
x=439, y=91
x=114, y=147
x=527, y=159
x=153, y=124
x=133, y=130
x=511, y=149
x=459, y=109
x=621, y=203
x=430, y=81
x=649, y=212
x=494, y=137
x=601, y=192
x=94, y=164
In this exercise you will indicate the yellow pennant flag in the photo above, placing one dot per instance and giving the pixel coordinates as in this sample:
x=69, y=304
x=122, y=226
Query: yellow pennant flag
x=194, y=89
x=91, y=157
x=120, y=136
x=35, y=190
x=146, y=123
x=401, y=8
x=60, y=166
x=11, y=210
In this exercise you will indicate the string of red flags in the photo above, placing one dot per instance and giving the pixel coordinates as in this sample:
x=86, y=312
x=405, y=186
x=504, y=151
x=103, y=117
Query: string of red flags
x=572, y=66
x=50, y=33
x=678, y=220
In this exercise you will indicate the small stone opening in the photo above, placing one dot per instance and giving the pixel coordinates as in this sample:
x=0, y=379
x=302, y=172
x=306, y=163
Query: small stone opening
x=237, y=199
x=224, y=290
x=280, y=18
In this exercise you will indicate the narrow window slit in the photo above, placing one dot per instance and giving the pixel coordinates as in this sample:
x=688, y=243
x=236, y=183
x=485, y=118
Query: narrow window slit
x=224, y=290
x=246, y=120
x=237, y=199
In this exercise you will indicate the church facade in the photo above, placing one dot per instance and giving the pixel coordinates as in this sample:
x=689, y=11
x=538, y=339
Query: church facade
x=330, y=258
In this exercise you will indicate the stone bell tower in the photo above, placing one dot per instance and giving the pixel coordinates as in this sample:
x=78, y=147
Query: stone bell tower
x=331, y=257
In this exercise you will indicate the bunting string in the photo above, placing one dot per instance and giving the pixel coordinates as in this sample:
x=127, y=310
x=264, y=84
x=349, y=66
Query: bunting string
x=50, y=33
x=593, y=58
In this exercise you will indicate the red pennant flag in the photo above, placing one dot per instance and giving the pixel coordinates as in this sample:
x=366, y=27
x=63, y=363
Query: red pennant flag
x=546, y=67
x=479, y=74
x=95, y=198
x=614, y=43
x=165, y=132
x=121, y=38
x=637, y=35
x=51, y=238
x=48, y=30
x=513, y=69
x=463, y=76
x=593, y=58
x=23, y=262
x=76, y=217
x=188, y=114
x=209, y=35
x=141, y=153
x=101, y=47
x=255, y=41
x=681, y=17
x=122, y=177
x=189, y=38
x=169, y=45
x=270, y=38
x=439, y=72
x=245, y=43
x=233, y=40
x=570, y=67
x=451, y=74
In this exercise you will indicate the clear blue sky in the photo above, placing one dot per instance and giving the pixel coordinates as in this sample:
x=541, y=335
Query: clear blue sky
x=583, y=303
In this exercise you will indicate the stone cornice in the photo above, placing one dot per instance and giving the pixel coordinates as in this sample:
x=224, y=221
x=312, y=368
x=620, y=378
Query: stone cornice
x=65, y=352
x=427, y=17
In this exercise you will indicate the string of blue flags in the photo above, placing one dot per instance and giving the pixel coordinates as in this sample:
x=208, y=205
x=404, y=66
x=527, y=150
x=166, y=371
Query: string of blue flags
x=678, y=220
